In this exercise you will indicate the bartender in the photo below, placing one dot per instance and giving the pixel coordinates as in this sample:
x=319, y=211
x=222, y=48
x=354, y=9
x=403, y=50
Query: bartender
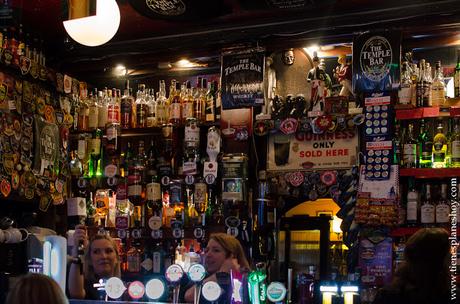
x=92, y=260
x=222, y=254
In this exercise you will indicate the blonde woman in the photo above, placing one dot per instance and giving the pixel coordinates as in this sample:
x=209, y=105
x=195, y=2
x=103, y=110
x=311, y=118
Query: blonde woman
x=101, y=261
x=222, y=254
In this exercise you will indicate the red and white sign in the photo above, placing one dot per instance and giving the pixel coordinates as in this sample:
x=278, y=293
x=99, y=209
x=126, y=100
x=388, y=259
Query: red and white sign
x=304, y=151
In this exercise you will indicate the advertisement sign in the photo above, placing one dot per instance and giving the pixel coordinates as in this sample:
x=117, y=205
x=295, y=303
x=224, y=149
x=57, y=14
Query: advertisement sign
x=375, y=260
x=242, y=79
x=303, y=151
x=376, y=58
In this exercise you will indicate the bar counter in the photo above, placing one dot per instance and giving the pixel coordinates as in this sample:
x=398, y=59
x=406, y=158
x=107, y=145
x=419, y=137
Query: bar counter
x=73, y=301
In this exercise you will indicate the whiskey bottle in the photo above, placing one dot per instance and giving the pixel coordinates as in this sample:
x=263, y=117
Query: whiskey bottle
x=412, y=204
x=141, y=108
x=210, y=114
x=405, y=92
x=126, y=108
x=443, y=208
x=175, y=104
x=427, y=209
x=187, y=111
x=397, y=160
x=198, y=106
x=161, y=112
x=151, y=105
x=135, y=174
x=410, y=149
x=94, y=149
x=93, y=108
x=438, y=87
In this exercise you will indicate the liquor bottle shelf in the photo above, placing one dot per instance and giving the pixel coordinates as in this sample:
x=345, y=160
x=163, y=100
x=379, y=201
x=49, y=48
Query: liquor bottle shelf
x=429, y=172
x=142, y=131
x=409, y=112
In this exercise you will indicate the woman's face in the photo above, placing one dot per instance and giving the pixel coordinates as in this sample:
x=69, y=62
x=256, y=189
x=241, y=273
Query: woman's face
x=103, y=257
x=215, y=256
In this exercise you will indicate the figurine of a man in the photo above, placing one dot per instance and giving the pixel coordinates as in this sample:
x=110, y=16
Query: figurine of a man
x=288, y=57
x=344, y=76
x=317, y=77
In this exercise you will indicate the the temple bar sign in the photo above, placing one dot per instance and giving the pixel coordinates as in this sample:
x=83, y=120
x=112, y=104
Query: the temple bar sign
x=305, y=151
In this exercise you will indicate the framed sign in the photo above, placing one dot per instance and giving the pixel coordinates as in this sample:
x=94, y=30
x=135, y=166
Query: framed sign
x=304, y=151
x=242, y=82
x=376, y=58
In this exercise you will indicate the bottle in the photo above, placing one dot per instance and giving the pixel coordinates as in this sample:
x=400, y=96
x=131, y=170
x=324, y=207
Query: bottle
x=113, y=108
x=94, y=149
x=135, y=174
x=210, y=114
x=93, y=108
x=412, y=204
x=76, y=168
x=133, y=257
x=457, y=76
x=438, y=88
x=410, y=149
x=126, y=108
x=420, y=83
x=397, y=144
x=141, y=108
x=455, y=145
x=443, y=208
x=218, y=100
x=198, y=106
x=147, y=261
x=175, y=103
x=439, y=148
x=151, y=105
x=153, y=186
x=160, y=110
x=103, y=102
x=425, y=146
x=427, y=209
x=427, y=84
x=405, y=92
x=187, y=111
x=158, y=257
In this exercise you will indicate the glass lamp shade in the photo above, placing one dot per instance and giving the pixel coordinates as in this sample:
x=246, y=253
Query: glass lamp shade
x=98, y=29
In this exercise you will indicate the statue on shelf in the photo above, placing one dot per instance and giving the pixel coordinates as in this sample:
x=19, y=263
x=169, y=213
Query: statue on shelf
x=271, y=84
x=288, y=57
x=317, y=77
x=344, y=76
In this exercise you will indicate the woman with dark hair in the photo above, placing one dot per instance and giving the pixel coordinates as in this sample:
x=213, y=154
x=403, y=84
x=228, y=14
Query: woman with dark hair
x=423, y=278
x=101, y=261
x=34, y=288
x=222, y=254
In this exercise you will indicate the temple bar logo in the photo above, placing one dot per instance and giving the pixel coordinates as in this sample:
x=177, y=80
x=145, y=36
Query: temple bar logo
x=375, y=58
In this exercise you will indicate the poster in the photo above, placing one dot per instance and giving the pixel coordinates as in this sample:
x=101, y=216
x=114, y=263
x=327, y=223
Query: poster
x=303, y=151
x=375, y=260
x=236, y=129
x=47, y=146
x=242, y=82
x=376, y=59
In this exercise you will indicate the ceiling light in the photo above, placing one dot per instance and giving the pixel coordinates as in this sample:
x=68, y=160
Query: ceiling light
x=184, y=63
x=120, y=70
x=311, y=50
x=93, y=30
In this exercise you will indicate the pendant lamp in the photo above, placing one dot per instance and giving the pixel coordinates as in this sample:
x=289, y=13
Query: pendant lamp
x=89, y=26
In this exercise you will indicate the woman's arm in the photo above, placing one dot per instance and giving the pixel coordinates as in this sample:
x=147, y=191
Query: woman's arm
x=76, y=282
x=76, y=277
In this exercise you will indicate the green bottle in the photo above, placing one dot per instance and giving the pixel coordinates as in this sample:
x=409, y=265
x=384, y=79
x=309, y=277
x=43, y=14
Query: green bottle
x=425, y=145
x=94, y=149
